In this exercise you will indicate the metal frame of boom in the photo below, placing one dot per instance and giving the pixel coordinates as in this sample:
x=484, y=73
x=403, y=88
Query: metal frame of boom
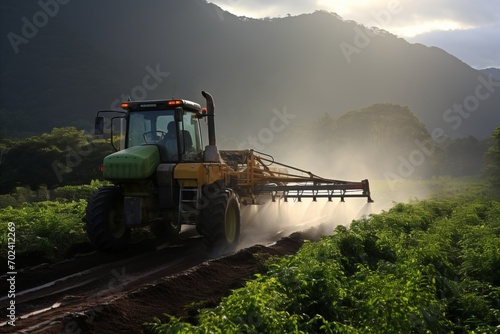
x=254, y=173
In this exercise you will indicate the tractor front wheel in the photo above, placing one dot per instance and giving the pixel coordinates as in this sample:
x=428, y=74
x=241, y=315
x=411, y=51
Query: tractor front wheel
x=105, y=221
x=220, y=221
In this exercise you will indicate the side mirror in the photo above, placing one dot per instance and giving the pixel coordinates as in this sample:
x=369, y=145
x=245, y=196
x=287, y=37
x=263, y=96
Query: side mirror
x=99, y=125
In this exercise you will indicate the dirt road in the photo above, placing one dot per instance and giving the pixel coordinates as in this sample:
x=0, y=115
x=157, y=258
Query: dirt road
x=109, y=293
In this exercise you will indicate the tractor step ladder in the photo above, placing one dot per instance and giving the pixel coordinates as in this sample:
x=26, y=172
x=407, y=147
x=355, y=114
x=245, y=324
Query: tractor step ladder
x=188, y=206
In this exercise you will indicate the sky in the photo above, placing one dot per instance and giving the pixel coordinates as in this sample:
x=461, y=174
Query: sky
x=467, y=29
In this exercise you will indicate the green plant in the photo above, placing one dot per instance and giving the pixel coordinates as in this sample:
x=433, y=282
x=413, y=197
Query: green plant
x=44, y=229
x=428, y=266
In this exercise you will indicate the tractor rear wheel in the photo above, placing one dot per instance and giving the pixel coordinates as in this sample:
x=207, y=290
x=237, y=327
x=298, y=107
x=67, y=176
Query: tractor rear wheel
x=104, y=218
x=220, y=221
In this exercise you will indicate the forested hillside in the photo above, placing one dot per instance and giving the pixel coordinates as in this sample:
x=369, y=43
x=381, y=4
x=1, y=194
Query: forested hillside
x=378, y=142
x=311, y=64
x=65, y=156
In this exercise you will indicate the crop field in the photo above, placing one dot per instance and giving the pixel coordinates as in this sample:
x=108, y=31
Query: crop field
x=427, y=265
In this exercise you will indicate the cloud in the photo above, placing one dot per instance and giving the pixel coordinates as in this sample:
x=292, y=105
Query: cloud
x=468, y=13
x=262, y=8
x=451, y=14
x=426, y=16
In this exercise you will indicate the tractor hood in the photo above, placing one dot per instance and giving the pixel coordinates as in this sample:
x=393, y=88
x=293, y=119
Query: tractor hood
x=138, y=162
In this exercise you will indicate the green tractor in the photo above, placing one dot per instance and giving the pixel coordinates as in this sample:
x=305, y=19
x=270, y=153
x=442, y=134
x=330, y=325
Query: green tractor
x=162, y=177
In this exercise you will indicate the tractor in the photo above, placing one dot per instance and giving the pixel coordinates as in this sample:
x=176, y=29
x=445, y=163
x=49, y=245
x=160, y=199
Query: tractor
x=163, y=177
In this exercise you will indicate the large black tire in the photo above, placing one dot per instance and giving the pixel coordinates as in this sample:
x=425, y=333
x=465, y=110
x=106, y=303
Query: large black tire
x=105, y=222
x=219, y=221
x=167, y=230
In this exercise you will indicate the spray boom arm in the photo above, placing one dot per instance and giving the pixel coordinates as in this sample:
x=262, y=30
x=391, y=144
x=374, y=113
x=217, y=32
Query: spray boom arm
x=255, y=174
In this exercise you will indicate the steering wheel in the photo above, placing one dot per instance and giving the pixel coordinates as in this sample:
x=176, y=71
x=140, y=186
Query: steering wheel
x=153, y=136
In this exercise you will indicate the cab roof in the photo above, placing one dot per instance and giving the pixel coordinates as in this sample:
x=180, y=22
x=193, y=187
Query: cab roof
x=160, y=105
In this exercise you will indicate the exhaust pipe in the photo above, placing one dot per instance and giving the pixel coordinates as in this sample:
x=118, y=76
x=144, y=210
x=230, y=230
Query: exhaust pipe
x=210, y=115
x=211, y=153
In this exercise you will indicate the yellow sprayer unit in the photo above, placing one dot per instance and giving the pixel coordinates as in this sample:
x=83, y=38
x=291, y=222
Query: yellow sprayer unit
x=163, y=178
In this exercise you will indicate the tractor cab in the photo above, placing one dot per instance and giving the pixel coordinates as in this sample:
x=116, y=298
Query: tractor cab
x=171, y=125
x=150, y=133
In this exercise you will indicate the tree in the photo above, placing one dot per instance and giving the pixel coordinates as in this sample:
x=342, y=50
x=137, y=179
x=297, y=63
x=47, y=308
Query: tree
x=492, y=157
x=464, y=156
x=17, y=124
x=65, y=156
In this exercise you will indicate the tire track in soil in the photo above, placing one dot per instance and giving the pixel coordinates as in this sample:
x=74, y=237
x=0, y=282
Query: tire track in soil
x=125, y=291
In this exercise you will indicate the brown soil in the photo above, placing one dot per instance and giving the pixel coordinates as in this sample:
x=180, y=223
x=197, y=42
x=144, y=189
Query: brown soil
x=104, y=293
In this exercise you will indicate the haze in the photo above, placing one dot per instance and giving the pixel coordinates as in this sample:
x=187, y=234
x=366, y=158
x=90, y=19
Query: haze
x=280, y=85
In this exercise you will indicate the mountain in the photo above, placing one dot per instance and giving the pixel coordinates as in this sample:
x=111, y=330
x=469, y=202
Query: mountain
x=87, y=55
x=381, y=141
x=494, y=72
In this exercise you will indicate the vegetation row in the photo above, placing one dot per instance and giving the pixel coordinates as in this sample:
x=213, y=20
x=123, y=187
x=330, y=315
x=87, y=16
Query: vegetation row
x=430, y=266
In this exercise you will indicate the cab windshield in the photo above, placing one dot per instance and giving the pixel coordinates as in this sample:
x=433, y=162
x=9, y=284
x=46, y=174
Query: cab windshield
x=159, y=127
